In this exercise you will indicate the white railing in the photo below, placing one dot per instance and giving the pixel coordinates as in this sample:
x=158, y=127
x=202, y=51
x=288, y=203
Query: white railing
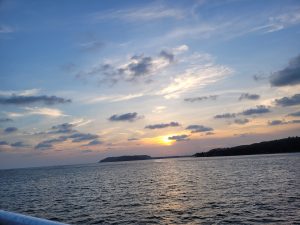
x=10, y=218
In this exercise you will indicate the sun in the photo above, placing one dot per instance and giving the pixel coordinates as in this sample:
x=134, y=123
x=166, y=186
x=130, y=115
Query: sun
x=165, y=140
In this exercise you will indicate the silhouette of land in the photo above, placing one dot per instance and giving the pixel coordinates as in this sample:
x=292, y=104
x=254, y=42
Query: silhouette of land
x=286, y=145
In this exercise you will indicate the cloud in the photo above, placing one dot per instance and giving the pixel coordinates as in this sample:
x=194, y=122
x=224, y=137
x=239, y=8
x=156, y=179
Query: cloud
x=93, y=142
x=19, y=144
x=4, y=120
x=24, y=100
x=133, y=139
x=282, y=122
x=209, y=133
x=260, y=109
x=182, y=137
x=146, y=13
x=290, y=75
x=162, y=125
x=124, y=117
x=91, y=46
x=225, y=116
x=4, y=29
x=49, y=143
x=294, y=114
x=200, y=71
x=114, y=98
x=136, y=68
x=249, y=96
x=43, y=112
x=4, y=143
x=167, y=55
x=62, y=128
x=86, y=151
x=198, y=128
x=80, y=137
x=197, y=99
x=288, y=101
x=241, y=121
x=10, y=130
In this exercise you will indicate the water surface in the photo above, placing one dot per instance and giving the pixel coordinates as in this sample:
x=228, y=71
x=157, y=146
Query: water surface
x=219, y=190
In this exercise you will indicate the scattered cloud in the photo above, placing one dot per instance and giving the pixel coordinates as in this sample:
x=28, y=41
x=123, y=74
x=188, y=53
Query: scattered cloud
x=159, y=109
x=4, y=143
x=146, y=13
x=290, y=75
x=282, y=122
x=86, y=151
x=198, y=128
x=198, y=74
x=114, y=98
x=209, y=133
x=197, y=99
x=241, y=121
x=24, y=100
x=162, y=125
x=260, y=109
x=294, y=114
x=225, y=116
x=133, y=139
x=19, y=144
x=91, y=46
x=62, y=128
x=43, y=112
x=182, y=137
x=125, y=117
x=49, y=143
x=249, y=96
x=93, y=142
x=10, y=130
x=80, y=137
x=288, y=101
x=4, y=29
x=4, y=120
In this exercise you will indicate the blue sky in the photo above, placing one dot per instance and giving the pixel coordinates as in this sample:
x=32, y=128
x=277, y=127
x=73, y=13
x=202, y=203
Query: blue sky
x=80, y=80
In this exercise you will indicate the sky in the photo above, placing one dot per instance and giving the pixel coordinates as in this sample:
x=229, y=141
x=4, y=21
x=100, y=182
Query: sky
x=84, y=80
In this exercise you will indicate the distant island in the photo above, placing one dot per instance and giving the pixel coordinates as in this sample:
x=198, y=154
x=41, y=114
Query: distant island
x=138, y=157
x=126, y=158
x=286, y=145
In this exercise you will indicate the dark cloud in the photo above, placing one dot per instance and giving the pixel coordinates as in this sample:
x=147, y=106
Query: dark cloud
x=133, y=139
x=49, y=143
x=140, y=66
x=19, y=144
x=198, y=128
x=62, y=128
x=94, y=142
x=289, y=75
x=281, y=122
x=259, y=77
x=167, y=55
x=249, y=96
x=260, y=109
x=209, y=133
x=80, y=137
x=4, y=120
x=23, y=100
x=10, y=129
x=241, y=121
x=288, y=101
x=162, y=125
x=124, y=117
x=3, y=143
x=225, y=116
x=198, y=99
x=294, y=114
x=182, y=137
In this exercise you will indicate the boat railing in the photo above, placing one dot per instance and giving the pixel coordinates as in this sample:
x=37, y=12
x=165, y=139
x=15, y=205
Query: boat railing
x=11, y=218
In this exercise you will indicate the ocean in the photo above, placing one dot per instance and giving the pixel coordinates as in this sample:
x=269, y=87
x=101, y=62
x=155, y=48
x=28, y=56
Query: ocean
x=219, y=190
